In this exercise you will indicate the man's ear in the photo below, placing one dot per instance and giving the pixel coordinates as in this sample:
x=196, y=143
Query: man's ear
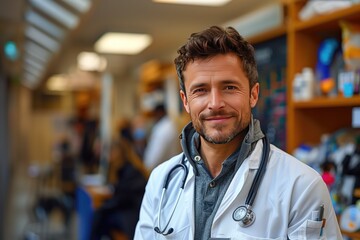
x=254, y=95
x=184, y=101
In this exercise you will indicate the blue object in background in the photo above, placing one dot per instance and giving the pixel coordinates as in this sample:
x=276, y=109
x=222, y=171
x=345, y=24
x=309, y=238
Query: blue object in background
x=11, y=51
x=350, y=219
x=326, y=53
x=85, y=213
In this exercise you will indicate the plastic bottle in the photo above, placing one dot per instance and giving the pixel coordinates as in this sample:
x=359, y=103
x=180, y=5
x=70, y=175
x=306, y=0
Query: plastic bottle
x=297, y=87
x=308, y=88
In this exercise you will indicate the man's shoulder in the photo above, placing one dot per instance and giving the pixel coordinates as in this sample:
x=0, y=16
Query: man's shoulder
x=289, y=163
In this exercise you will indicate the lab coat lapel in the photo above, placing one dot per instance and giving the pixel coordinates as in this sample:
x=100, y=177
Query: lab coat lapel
x=241, y=183
x=188, y=198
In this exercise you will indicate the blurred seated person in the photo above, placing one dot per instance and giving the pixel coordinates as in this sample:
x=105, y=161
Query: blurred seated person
x=128, y=177
x=163, y=142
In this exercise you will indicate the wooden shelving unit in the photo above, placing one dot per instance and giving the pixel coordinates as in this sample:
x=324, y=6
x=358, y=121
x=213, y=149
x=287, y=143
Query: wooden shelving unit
x=328, y=102
x=308, y=120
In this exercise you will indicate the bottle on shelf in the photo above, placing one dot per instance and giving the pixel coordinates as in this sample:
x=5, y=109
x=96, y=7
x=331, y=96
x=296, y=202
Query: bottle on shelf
x=297, y=87
x=304, y=85
x=308, y=88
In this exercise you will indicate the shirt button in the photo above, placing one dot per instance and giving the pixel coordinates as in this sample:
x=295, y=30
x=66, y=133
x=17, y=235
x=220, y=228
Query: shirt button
x=212, y=184
x=197, y=158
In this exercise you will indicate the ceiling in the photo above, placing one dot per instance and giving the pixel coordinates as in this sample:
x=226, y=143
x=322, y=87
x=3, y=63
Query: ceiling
x=168, y=24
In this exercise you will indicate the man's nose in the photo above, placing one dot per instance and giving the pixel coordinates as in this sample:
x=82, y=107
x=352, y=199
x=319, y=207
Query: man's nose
x=216, y=99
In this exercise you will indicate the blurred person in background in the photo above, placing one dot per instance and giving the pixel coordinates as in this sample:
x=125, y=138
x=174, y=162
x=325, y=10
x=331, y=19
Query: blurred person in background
x=351, y=167
x=163, y=142
x=140, y=134
x=127, y=176
x=86, y=134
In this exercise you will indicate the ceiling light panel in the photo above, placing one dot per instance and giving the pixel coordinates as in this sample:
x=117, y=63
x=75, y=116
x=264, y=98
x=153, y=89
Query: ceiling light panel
x=31, y=77
x=79, y=5
x=41, y=38
x=211, y=3
x=33, y=71
x=122, y=43
x=37, y=51
x=58, y=83
x=44, y=24
x=54, y=10
x=33, y=62
x=89, y=61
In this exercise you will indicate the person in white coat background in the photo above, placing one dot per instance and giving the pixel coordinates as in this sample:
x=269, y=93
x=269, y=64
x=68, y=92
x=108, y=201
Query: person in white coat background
x=163, y=142
x=229, y=182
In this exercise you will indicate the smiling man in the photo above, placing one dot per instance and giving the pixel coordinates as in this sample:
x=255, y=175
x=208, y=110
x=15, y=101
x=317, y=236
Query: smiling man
x=229, y=182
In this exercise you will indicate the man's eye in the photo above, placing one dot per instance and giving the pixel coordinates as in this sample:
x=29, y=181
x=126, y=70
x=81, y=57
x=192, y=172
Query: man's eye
x=230, y=87
x=199, y=90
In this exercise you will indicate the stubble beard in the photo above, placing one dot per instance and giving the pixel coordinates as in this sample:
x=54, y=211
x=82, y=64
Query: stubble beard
x=219, y=137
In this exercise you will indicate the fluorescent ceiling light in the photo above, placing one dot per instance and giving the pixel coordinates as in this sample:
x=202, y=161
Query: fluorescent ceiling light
x=44, y=24
x=41, y=38
x=122, y=43
x=28, y=60
x=213, y=3
x=54, y=10
x=31, y=78
x=58, y=83
x=32, y=70
x=36, y=51
x=89, y=61
x=79, y=5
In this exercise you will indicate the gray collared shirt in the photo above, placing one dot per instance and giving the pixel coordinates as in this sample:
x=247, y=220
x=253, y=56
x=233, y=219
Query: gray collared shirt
x=210, y=191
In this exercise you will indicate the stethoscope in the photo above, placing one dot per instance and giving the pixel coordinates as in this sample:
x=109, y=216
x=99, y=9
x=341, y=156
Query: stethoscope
x=242, y=214
x=182, y=166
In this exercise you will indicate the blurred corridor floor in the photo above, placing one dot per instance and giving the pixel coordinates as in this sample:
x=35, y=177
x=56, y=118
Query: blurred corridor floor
x=20, y=220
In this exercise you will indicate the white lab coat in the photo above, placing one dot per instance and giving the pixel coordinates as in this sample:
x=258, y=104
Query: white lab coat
x=289, y=192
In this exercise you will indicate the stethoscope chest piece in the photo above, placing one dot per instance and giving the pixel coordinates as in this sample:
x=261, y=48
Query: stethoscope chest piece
x=244, y=215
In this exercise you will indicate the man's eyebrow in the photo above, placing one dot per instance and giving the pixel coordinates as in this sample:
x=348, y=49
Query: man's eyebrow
x=229, y=81
x=197, y=85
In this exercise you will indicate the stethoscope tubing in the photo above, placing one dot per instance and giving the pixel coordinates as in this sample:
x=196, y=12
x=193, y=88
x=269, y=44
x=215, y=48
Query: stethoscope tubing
x=260, y=174
x=165, y=186
x=249, y=199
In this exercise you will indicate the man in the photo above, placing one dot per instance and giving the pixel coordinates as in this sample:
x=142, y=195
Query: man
x=222, y=151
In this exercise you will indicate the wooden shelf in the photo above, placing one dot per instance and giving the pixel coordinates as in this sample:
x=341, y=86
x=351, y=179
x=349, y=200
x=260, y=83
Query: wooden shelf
x=326, y=102
x=352, y=235
x=307, y=121
x=329, y=20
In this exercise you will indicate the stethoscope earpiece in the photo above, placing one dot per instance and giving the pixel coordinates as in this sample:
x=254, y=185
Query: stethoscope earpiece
x=157, y=229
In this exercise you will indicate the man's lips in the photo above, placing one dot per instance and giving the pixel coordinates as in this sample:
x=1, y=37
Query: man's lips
x=217, y=118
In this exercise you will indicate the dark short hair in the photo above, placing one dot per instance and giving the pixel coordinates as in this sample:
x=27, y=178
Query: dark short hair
x=214, y=41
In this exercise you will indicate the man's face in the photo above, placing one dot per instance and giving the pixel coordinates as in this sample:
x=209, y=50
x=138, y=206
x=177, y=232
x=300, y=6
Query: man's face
x=218, y=97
